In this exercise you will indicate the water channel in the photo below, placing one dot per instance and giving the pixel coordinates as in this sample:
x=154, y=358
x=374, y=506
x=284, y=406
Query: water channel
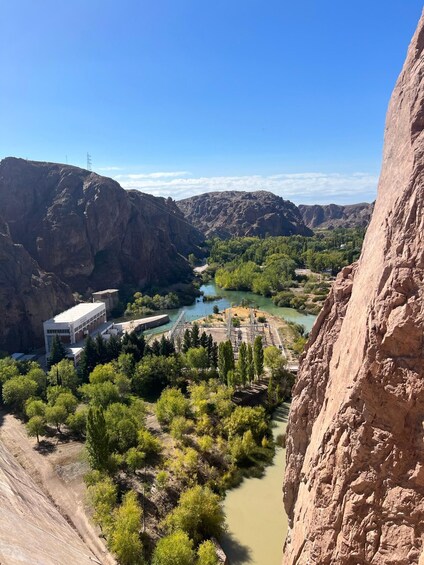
x=200, y=309
x=257, y=524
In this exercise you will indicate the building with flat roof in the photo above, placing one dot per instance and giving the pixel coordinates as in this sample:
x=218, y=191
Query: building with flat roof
x=110, y=297
x=75, y=324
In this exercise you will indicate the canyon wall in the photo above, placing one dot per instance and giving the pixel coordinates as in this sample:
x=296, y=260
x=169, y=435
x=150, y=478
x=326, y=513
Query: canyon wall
x=354, y=484
x=65, y=229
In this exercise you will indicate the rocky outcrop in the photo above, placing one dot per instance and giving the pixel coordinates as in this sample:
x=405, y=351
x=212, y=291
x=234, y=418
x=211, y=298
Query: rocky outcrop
x=28, y=296
x=334, y=216
x=32, y=531
x=234, y=213
x=66, y=229
x=92, y=233
x=354, y=484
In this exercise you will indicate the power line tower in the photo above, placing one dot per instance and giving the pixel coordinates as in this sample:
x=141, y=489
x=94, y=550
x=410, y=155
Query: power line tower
x=88, y=162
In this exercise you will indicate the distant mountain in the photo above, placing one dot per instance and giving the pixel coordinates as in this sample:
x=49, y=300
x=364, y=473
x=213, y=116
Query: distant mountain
x=335, y=216
x=234, y=213
x=86, y=230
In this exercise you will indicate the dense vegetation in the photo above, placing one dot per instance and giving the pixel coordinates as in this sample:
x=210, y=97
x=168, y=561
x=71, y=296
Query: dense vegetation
x=267, y=266
x=158, y=469
x=143, y=304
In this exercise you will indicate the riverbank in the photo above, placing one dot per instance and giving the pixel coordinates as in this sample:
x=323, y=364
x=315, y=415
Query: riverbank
x=257, y=524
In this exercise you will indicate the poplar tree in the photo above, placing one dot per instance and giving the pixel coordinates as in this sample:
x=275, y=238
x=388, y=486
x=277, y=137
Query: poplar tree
x=187, y=341
x=97, y=439
x=250, y=364
x=242, y=363
x=258, y=356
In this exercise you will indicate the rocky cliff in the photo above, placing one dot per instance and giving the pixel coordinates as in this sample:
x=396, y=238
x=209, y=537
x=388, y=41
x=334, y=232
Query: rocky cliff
x=28, y=295
x=66, y=229
x=334, y=216
x=354, y=484
x=234, y=213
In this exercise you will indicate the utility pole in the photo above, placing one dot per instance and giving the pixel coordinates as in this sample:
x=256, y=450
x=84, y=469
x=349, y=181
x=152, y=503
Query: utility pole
x=88, y=162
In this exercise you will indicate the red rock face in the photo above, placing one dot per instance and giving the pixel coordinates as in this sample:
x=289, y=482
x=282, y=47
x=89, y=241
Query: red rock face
x=354, y=485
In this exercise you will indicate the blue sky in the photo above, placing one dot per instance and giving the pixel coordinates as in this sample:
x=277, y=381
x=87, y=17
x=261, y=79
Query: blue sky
x=176, y=97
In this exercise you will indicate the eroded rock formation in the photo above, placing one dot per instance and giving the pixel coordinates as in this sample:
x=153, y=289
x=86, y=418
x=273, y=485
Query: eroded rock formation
x=66, y=229
x=235, y=213
x=28, y=295
x=336, y=216
x=354, y=484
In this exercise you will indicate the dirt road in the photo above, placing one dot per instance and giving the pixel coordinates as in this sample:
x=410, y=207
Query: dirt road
x=60, y=475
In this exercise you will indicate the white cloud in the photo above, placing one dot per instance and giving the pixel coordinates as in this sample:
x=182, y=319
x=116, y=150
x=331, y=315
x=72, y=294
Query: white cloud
x=109, y=169
x=162, y=175
x=307, y=188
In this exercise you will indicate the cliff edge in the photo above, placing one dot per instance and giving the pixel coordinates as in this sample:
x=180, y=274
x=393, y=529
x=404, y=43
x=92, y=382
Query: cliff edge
x=354, y=484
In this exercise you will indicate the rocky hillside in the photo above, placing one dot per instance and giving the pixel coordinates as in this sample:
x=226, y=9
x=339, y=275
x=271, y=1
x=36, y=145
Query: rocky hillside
x=354, y=484
x=28, y=295
x=335, y=216
x=31, y=528
x=86, y=230
x=234, y=213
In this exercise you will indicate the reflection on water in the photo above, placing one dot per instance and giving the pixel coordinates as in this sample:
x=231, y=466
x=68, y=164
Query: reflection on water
x=257, y=524
x=201, y=309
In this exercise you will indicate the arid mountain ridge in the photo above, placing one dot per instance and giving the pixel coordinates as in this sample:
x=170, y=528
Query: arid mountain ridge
x=236, y=213
x=65, y=229
x=354, y=482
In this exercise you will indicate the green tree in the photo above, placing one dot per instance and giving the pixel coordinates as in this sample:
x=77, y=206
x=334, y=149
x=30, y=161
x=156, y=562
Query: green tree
x=125, y=540
x=17, y=390
x=197, y=358
x=250, y=364
x=245, y=418
x=216, y=309
x=258, y=356
x=206, y=554
x=174, y=549
x=35, y=407
x=97, y=442
x=199, y=513
x=170, y=404
x=187, y=340
x=101, y=349
x=77, y=422
x=242, y=363
x=63, y=374
x=57, y=351
x=225, y=359
x=39, y=376
x=274, y=360
x=36, y=426
x=56, y=415
x=195, y=335
x=89, y=358
x=103, y=496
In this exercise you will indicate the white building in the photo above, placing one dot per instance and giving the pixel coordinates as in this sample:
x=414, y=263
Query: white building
x=75, y=324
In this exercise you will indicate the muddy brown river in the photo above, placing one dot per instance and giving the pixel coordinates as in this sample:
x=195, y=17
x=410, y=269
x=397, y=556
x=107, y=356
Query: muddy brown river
x=257, y=524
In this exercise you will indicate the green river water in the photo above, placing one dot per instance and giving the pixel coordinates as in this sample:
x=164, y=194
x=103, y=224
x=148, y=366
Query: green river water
x=201, y=309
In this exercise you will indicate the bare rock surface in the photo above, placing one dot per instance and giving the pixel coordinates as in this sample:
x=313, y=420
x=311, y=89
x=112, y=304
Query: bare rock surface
x=330, y=216
x=354, y=483
x=66, y=229
x=32, y=531
x=236, y=213
x=28, y=295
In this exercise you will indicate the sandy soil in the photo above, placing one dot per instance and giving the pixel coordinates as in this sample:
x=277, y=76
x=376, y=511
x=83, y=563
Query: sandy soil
x=58, y=469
